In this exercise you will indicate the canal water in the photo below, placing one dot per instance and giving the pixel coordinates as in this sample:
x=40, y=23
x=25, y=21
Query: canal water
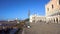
x=8, y=31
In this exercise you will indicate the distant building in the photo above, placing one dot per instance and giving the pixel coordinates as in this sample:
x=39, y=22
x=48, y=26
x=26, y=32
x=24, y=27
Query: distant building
x=35, y=18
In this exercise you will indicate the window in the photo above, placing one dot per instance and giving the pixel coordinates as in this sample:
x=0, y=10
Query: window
x=59, y=2
x=47, y=9
x=52, y=6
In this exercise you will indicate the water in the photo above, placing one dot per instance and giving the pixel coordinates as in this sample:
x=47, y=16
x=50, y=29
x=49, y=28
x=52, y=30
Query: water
x=8, y=31
x=13, y=31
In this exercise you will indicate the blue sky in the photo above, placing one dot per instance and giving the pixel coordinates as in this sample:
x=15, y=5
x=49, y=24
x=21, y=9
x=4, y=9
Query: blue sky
x=11, y=9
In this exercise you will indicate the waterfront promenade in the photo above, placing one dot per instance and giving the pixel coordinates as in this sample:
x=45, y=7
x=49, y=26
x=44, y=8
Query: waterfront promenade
x=41, y=28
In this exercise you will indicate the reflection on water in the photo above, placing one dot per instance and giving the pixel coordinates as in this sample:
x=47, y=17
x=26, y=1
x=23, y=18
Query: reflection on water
x=8, y=31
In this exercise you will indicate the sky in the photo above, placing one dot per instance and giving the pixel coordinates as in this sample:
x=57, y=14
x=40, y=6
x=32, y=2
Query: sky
x=11, y=9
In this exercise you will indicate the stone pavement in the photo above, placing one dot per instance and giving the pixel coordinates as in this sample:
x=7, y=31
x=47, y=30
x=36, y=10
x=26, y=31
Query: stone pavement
x=37, y=28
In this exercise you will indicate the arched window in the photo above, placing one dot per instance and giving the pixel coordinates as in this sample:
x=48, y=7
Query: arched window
x=52, y=6
x=59, y=2
x=47, y=9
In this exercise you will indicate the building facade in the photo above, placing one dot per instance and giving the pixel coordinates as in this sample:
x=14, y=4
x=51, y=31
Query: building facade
x=52, y=7
x=36, y=18
x=53, y=10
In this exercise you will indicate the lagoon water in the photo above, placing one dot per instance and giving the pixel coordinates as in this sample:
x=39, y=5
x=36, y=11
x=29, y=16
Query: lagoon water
x=8, y=31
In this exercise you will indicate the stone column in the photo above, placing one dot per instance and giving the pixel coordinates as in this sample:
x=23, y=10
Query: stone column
x=58, y=19
x=54, y=19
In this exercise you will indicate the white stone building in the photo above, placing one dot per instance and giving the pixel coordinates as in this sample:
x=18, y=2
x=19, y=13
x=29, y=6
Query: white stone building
x=35, y=18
